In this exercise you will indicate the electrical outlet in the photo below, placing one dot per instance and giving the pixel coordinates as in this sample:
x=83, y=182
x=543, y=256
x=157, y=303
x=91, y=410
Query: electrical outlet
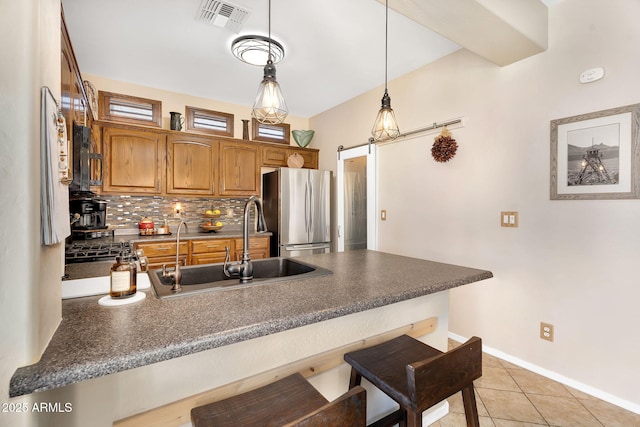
x=546, y=331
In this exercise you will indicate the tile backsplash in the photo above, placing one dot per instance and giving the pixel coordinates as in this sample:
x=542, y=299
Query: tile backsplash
x=124, y=212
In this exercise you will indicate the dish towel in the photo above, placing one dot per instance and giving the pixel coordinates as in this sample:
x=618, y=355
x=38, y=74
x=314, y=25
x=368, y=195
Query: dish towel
x=54, y=193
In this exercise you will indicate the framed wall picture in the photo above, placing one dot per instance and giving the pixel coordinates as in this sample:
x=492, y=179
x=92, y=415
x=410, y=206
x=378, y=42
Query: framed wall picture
x=596, y=155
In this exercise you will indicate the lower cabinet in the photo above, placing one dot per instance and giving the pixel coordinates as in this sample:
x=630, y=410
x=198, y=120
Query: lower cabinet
x=258, y=248
x=159, y=253
x=201, y=251
x=209, y=251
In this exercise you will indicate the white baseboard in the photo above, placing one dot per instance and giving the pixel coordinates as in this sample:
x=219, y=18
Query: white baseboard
x=429, y=416
x=614, y=400
x=433, y=414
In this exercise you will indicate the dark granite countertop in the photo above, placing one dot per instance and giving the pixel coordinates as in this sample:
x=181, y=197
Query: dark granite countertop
x=93, y=341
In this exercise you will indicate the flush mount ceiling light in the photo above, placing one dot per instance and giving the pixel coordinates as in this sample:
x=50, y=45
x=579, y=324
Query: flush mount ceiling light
x=255, y=50
x=269, y=106
x=385, y=127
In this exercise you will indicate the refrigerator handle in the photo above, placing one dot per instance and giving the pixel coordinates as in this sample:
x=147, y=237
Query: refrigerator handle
x=306, y=247
x=311, y=207
x=306, y=207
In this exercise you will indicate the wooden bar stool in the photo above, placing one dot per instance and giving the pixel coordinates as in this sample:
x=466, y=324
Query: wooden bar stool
x=418, y=376
x=290, y=402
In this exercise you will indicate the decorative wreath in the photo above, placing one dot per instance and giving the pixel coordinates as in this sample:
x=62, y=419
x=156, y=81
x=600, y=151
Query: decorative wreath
x=444, y=147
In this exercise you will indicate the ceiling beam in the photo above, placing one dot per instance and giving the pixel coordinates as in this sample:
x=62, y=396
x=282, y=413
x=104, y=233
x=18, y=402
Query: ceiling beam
x=501, y=31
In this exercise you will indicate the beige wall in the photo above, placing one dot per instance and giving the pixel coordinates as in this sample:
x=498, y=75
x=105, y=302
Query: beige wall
x=570, y=263
x=30, y=279
x=173, y=101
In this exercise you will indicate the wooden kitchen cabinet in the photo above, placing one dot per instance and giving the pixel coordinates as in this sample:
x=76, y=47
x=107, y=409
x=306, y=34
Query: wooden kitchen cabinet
x=274, y=156
x=209, y=251
x=133, y=160
x=151, y=161
x=258, y=247
x=73, y=103
x=239, y=168
x=309, y=155
x=169, y=261
x=192, y=165
x=277, y=156
x=201, y=251
x=214, y=250
x=159, y=253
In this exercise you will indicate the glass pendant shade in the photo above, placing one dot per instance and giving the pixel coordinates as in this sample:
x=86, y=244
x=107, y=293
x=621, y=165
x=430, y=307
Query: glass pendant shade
x=269, y=106
x=385, y=127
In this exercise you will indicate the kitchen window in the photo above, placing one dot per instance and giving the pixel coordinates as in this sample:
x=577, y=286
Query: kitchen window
x=116, y=107
x=271, y=133
x=208, y=121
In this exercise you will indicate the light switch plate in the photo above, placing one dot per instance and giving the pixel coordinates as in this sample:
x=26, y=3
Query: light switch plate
x=509, y=219
x=383, y=215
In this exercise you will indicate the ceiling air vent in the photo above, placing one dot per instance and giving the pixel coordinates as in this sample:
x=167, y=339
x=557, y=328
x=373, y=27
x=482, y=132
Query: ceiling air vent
x=222, y=14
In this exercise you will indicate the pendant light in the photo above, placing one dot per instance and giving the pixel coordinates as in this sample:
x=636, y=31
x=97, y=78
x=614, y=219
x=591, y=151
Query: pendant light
x=269, y=106
x=385, y=127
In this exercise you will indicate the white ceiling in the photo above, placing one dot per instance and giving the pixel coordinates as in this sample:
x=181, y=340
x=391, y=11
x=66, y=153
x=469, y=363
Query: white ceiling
x=334, y=49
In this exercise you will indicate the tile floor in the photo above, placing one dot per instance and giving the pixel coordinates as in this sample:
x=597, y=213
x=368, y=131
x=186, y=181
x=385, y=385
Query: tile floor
x=510, y=396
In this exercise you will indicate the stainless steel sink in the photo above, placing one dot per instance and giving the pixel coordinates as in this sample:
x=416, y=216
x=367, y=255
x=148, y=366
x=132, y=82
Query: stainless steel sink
x=210, y=277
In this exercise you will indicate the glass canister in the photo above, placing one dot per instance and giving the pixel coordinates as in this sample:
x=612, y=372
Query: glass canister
x=123, y=278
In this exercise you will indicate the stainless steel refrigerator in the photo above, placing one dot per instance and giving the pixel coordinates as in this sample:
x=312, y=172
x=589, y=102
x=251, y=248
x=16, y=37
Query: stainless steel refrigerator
x=297, y=211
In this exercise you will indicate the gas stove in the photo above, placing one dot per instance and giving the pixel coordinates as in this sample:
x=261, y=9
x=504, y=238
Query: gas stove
x=87, y=251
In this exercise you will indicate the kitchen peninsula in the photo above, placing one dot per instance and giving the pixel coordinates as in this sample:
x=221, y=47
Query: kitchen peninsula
x=164, y=350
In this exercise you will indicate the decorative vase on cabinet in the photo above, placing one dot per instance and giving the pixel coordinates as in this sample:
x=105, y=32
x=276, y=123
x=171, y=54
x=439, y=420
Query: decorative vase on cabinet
x=302, y=137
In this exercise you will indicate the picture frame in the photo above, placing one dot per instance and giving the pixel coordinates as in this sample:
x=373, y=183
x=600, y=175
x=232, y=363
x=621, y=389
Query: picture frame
x=596, y=156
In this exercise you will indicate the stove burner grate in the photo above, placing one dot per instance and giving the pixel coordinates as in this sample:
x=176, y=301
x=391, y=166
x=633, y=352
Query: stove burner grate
x=94, y=251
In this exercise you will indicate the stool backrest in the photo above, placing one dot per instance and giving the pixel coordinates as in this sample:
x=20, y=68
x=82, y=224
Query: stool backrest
x=432, y=380
x=349, y=410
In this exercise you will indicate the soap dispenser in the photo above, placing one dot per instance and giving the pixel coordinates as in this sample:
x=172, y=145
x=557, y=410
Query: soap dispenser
x=123, y=278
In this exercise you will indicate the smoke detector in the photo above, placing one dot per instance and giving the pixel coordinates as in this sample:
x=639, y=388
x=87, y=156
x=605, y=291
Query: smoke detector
x=222, y=14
